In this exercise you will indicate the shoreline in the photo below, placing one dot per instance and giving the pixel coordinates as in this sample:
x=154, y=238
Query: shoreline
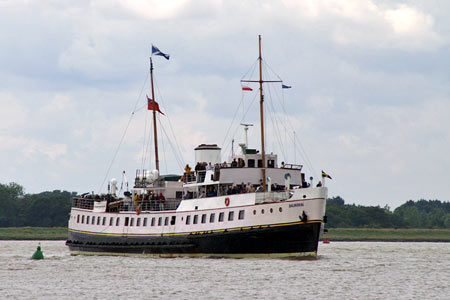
x=333, y=234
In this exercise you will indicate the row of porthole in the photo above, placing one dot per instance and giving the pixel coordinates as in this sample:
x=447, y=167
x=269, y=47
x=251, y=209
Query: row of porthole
x=271, y=210
x=153, y=223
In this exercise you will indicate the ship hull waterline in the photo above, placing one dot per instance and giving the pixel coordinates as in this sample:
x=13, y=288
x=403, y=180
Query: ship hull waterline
x=294, y=241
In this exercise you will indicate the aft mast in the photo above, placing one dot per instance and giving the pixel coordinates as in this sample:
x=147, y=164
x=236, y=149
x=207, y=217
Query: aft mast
x=261, y=112
x=155, y=132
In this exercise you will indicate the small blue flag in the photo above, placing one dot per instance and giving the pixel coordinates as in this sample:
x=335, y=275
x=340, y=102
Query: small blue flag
x=156, y=51
x=286, y=86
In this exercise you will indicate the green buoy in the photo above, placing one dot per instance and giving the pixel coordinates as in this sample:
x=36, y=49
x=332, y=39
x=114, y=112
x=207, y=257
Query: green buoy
x=38, y=254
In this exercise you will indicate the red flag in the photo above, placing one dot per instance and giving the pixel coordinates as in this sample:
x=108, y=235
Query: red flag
x=153, y=105
x=246, y=88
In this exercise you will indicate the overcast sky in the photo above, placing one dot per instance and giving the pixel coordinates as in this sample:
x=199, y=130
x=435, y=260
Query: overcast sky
x=370, y=99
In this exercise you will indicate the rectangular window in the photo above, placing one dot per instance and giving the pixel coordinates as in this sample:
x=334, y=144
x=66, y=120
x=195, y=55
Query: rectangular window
x=195, y=219
x=153, y=222
x=98, y=220
x=138, y=222
x=211, y=218
x=78, y=219
x=251, y=163
x=87, y=220
x=127, y=221
x=159, y=221
x=166, y=221
x=104, y=221
x=93, y=220
x=178, y=195
x=132, y=222
x=231, y=216
x=111, y=221
x=241, y=215
x=82, y=219
x=117, y=221
x=221, y=217
x=172, y=221
x=259, y=163
x=203, y=218
x=145, y=222
x=188, y=220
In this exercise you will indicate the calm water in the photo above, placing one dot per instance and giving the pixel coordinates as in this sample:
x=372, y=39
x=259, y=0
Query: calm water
x=343, y=271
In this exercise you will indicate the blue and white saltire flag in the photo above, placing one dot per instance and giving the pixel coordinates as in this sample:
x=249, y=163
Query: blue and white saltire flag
x=286, y=86
x=156, y=51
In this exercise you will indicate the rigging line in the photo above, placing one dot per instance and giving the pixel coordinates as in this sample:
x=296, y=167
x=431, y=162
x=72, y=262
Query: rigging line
x=242, y=119
x=273, y=118
x=144, y=149
x=166, y=112
x=234, y=117
x=252, y=68
x=180, y=163
x=162, y=144
x=304, y=153
x=124, y=133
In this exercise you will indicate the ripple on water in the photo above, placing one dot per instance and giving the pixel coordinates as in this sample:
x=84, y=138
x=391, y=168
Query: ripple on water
x=342, y=270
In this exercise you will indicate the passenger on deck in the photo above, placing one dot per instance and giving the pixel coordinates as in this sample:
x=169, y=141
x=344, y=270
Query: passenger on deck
x=224, y=164
x=319, y=184
x=161, y=201
x=197, y=167
x=282, y=164
x=187, y=169
x=209, y=167
x=153, y=202
x=234, y=163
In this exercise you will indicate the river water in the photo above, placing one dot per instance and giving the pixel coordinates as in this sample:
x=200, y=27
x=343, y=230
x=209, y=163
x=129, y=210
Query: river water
x=344, y=270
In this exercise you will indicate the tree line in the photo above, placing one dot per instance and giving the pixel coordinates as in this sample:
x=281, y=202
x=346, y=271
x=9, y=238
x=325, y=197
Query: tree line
x=411, y=214
x=51, y=209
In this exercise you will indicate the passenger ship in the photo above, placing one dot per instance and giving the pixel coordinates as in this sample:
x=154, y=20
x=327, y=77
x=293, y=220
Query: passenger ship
x=248, y=206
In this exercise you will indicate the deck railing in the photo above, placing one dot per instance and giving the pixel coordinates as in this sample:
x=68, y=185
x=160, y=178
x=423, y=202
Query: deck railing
x=127, y=204
x=271, y=197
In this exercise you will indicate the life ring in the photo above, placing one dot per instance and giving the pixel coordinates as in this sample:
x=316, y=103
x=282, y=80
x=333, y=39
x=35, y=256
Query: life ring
x=227, y=201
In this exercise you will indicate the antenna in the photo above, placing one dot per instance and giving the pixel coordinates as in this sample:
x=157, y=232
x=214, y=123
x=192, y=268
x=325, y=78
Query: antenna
x=246, y=126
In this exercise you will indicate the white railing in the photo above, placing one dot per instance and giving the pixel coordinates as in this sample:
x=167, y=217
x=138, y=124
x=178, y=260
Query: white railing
x=271, y=197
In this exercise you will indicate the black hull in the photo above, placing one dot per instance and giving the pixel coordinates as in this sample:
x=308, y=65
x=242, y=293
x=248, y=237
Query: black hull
x=271, y=241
